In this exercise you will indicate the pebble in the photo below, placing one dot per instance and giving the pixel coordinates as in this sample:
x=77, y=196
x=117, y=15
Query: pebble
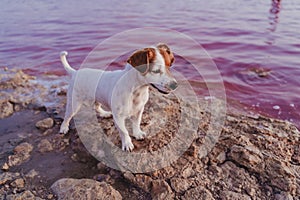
x=18, y=183
x=276, y=107
x=45, y=146
x=45, y=123
x=23, y=148
x=5, y=167
x=31, y=174
x=47, y=132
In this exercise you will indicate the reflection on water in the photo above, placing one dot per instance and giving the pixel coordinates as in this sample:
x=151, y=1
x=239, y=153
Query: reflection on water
x=274, y=14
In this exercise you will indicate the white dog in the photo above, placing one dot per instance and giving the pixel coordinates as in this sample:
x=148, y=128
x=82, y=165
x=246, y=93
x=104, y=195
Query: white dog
x=124, y=92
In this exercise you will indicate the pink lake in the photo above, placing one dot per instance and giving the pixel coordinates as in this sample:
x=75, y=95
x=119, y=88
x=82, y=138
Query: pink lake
x=255, y=44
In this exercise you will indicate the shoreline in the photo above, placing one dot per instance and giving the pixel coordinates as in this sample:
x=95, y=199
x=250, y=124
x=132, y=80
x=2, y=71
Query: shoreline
x=255, y=157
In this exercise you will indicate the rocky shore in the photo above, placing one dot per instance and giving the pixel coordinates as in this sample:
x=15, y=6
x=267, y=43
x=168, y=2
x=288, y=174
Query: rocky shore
x=255, y=157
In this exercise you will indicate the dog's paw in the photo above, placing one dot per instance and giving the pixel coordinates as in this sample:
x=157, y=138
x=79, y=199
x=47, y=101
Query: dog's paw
x=127, y=145
x=106, y=114
x=64, y=129
x=139, y=135
x=103, y=113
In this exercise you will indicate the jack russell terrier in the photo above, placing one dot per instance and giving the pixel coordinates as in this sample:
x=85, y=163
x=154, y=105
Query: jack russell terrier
x=124, y=92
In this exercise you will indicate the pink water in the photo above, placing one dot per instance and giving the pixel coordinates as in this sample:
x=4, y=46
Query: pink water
x=243, y=38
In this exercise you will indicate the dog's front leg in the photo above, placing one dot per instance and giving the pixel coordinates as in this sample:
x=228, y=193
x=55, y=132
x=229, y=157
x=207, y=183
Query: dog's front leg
x=126, y=140
x=136, y=121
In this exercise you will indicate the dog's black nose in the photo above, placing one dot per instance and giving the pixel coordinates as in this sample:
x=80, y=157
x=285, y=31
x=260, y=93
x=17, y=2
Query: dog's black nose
x=173, y=85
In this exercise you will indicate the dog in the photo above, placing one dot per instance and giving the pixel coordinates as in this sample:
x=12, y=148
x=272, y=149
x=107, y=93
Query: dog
x=123, y=92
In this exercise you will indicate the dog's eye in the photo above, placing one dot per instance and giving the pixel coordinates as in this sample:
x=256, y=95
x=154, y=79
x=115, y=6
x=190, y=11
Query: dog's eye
x=156, y=71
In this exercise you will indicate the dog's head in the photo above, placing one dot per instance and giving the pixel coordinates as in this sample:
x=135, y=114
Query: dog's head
x=154, y=64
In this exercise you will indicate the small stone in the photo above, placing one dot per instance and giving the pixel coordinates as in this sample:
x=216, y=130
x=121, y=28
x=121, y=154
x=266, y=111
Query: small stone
x=21, y=154
x=17, y=107
x=18, y=183
x=18, y=159
x=233, y=195
x=283, y=196
x=45, y=146
x=8, y=176
x=6, y=109
x=5, y=167
x=161, y=190
x=47, y=132
x=45, y=123
x=50, y=196
x=23, y=148
x=74, y=157
x=24, y=195
x=180, y=185
x=198, y=193
x=144, y=182
x=248, y=156
x=101, y=166
x=31, y=174
x=69, y=188
x=104, y=177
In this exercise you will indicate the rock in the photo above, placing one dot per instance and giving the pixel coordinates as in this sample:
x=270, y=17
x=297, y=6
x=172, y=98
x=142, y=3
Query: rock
x=8, y=176
x=74, y=157
x=68, y=188
x=45, y=123
x=31, y=174
x=296, y=155
x=19, y=88
x=5, y=167
x=198, y=193
x=104, y=177
x=140, y=180
x=50, y=196
x=45, y=146
x=26, y=195
x=180, y=185
x=6, y=109
x=255, y=157
x=247, y=156
x=21, y=154
x=280, y=175
x=18, y=183
x=161, y=190
x=24, y=148
x=47, y=132
x=225, y=195
x=283, y=196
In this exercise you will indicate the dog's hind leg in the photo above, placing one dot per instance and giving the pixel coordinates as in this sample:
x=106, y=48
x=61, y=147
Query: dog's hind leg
x=102, y=112
x=71, y=109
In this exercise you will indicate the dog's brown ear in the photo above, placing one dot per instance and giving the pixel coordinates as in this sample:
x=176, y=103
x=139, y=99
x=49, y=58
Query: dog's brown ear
x=166, y=53
x=142, y=59
x=164, y=47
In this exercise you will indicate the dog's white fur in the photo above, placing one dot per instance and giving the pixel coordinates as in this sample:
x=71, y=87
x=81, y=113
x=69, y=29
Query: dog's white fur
x=124, y=92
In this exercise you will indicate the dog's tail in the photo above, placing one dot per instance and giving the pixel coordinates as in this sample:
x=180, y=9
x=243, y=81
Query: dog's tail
x=64, y=61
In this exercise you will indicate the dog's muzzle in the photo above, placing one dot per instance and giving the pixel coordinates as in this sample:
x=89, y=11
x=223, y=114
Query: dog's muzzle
x=166, y=90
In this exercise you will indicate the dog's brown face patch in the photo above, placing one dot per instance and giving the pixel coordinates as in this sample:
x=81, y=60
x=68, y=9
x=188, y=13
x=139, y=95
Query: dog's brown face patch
x=142, y=59
x=166, y=54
